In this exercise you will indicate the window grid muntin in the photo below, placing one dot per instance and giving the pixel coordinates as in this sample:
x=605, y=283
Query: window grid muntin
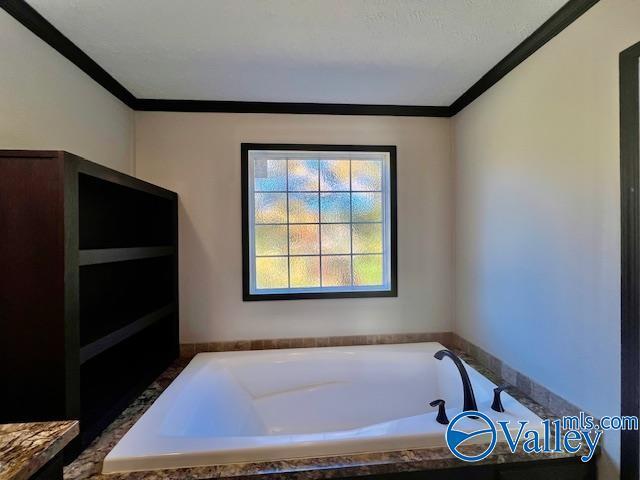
x=320, y=226
x=351, y=221
x=288, y=226
x=383, y=159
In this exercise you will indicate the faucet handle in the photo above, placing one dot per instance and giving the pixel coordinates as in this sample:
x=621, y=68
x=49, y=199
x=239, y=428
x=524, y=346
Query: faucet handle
x=497, y=402
x=442, y=414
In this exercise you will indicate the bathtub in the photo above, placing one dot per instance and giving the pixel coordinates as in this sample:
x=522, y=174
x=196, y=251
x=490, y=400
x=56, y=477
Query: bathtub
x=269, y=405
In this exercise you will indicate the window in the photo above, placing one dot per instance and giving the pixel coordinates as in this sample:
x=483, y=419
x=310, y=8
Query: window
x=318, y=221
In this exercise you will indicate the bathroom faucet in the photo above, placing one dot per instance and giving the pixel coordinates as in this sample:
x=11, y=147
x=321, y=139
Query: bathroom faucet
x=469, y=397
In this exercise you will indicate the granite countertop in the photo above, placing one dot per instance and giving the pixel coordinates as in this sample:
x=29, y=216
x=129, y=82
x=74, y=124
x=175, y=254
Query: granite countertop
x=89, y=463
x=26, y=447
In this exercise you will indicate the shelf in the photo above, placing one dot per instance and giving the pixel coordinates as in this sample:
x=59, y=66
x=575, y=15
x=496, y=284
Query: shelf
x=102, y=416
x=111, y=176
x=110, y=255
x=110, y=381
x=115, y=294
x=95, y=348
x=112, y=215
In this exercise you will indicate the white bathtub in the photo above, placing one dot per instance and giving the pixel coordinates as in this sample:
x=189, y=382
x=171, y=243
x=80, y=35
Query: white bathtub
x=277, y=404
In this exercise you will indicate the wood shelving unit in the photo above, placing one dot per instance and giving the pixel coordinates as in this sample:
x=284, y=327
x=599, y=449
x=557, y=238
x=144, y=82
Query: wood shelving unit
x=109, y=255
x=89, y=304
x=115, y=337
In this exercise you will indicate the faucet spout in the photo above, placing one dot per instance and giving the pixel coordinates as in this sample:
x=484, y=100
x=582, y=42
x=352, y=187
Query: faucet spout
x=467, y=388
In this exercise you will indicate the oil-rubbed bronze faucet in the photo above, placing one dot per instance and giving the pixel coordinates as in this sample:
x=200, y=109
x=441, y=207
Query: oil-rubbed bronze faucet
x=442, y=412
x=469, y=397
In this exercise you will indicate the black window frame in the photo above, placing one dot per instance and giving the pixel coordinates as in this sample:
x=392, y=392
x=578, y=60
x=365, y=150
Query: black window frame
x=393, y=254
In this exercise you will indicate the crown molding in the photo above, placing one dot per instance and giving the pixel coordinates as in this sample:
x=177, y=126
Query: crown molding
x=155, y=105
x=40, y=26
x=560, y=20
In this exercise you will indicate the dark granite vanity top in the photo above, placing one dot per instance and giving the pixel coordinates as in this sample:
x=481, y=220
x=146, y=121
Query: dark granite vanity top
x=89, y=463
x=26, y=447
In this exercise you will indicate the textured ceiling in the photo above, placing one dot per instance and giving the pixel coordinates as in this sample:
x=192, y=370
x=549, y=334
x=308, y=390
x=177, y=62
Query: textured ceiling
x=405, y=52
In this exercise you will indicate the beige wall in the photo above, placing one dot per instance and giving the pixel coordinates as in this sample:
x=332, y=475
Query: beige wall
x=198, y=155
x=538, y=214
x=46, y=102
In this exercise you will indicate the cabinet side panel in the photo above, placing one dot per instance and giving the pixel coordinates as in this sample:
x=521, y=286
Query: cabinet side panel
x=32, y=289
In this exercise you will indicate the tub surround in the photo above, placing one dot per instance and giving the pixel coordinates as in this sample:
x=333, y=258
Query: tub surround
x=89, y=463
x=403, y=461
x=529, y=387
x=188, y=350
x=27, y=447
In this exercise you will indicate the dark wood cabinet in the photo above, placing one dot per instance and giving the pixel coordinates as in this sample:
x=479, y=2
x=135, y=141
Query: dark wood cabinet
x=88, y=288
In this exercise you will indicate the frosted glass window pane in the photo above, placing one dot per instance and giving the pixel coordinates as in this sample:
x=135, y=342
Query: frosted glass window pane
x=336, y=238
x=367, y=270
x=271, y=239
x=366, y=175
x=335, y=207
x=303, y=207
x=334, y=175
x=305, y=272
x=303, y=175
x=304, y=239
x=367, y=207
x=271, y=207
x=270, y=175
x=336, y=271
x=367, y=238
x=320, y=222
x=272, y=272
